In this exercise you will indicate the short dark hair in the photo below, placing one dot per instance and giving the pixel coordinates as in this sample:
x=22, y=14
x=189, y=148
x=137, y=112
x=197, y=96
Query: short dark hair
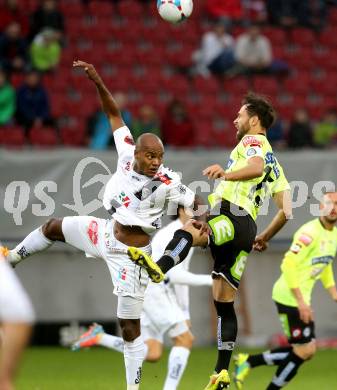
x=260, y=106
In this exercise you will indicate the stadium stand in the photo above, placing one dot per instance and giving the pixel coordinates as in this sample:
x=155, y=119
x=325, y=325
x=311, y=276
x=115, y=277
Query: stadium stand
x=150, y=60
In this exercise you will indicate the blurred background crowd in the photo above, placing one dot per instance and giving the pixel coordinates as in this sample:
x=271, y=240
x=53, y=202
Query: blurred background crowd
x=182, y=82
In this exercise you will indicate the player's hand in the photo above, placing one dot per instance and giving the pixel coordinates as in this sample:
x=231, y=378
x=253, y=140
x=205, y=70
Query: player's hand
x=89, y=70
x=260, y=244
x=202, y=226
x=306, y=313
x=214, y=172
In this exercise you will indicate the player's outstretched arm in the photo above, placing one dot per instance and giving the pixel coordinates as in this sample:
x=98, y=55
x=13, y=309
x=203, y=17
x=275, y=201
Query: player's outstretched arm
x=283, y=201
x=109, y=105
x=253, y=169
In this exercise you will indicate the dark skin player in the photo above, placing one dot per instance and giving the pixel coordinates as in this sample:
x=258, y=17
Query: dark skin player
x=148, y=155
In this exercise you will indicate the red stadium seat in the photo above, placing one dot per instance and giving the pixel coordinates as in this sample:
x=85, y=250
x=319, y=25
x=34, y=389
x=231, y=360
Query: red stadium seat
x=266, y=85
x=303, y=36
x=43, y=137
x=206, y=85
x=277, y=36
x=12, y=137
x=73, y=136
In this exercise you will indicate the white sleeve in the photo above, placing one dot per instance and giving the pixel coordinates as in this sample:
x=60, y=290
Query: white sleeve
x=15, y=305
x=181, y=276
x=181, y=194
x=124, y=142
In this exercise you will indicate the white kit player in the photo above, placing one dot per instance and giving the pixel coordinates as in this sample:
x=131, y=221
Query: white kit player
x=16, y=318
x=137, y=195
x=165, y=310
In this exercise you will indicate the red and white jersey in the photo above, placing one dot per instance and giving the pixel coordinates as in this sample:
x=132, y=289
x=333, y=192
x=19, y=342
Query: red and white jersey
x=138, y=200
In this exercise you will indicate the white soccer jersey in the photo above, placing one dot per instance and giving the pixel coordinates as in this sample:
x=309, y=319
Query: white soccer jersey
x=178, y=278
x=138, y=200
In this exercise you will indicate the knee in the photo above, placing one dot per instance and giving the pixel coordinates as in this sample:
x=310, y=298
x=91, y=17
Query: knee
x=154, y=353
x=52, y=229
x=306, y=351
x=184, y=340
x=130, y=329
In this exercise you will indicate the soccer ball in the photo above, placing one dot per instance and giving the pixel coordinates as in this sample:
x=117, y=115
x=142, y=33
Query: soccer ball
x=175, y=11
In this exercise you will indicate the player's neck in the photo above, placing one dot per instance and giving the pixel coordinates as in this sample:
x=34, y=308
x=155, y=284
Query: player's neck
x=257, y=131
x=327, y=225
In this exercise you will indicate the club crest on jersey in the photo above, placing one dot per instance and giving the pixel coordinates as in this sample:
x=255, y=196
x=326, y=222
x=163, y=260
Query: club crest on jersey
x=124, y=199
x=93, y=232
x=129, y=140
x=295, y=248
x=251, y=141
x=305, y=239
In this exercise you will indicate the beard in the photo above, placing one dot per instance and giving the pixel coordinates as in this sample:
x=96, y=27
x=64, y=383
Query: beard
x=242, y=132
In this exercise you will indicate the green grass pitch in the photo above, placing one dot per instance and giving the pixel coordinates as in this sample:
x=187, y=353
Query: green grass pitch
x=101, y=369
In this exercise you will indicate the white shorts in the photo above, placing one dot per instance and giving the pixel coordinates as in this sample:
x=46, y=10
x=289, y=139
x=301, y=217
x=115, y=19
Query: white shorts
x=95, y=237
x=161, y=313
x=15, y=305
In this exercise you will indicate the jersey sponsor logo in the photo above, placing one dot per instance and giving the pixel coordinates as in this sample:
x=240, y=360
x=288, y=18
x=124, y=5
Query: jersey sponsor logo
x=93, y=232
x=251, y=152
x=305, y=239
x=295, y=248
x=164, y=178
x=230, y=163
x=129, y=140
x=322, y=260
x=122, y=273
x=251, y=141
x=270, y=159
x=124, y=199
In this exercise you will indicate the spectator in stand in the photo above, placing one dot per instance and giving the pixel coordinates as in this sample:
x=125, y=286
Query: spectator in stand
x=255, y=11
x=32, y=103
x=290, y=13
x=253, y=54
x=177, y=127
x=100, y=128
x=47, y=16
x=216, y=54
x=300, y=131
x=146, y=123
x=10, y=12
x=230, y=9
x=7, y=100
x=325, y=132
x=12, y=49
x=276, y=135
x=45, y=50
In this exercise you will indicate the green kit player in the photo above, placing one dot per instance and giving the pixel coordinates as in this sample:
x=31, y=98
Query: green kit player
x=251, y=174
x=309, y=259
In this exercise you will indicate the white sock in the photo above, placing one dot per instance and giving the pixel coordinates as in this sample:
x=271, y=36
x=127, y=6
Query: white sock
x=35, y=242
x=112, y=342
x=176, y=366
x=133, y=359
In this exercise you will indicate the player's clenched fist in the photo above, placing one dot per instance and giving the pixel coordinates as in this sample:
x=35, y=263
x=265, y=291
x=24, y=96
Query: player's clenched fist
x=89, y=70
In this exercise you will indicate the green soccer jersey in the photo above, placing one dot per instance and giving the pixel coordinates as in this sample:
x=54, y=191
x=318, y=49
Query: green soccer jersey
x=250, y=194
x=312, y=251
